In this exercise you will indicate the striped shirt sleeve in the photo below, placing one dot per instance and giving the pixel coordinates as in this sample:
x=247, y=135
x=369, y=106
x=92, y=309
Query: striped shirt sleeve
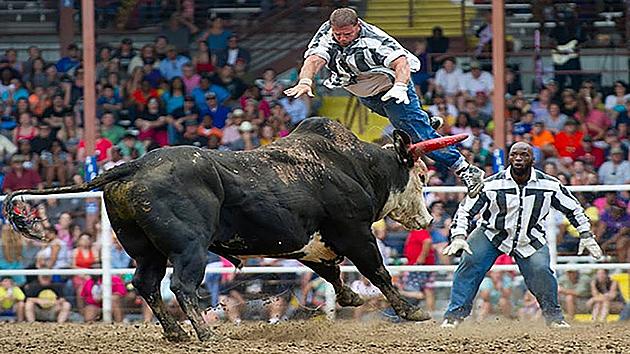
x=566, y=203
x=467, y=210
x=320, y=43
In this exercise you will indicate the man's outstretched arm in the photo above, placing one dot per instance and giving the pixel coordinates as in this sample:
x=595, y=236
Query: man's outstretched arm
x=312, y=65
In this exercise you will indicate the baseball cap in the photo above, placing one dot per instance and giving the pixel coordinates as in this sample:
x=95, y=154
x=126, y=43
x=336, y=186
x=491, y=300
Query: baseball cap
x=616, y=150
x=475, y=65
x=238, y=112
x=210, y=94
x=246, y=127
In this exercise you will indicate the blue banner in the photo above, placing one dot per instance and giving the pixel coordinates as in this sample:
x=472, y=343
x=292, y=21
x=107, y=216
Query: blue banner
x=91, y=168
x=498, y=159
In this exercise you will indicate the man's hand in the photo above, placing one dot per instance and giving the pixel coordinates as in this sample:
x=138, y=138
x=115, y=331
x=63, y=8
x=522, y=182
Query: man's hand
x=398, y=92
x=458, y=243
x=587, y=241
x=303, y=87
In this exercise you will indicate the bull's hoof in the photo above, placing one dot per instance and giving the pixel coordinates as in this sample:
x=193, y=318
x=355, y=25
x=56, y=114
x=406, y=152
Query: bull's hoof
x=349, y=298
x=177, y=336
x=418, y=315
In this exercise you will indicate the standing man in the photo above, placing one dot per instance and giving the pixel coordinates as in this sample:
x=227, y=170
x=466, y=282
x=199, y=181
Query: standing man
x=514, y=206
x=373, y=66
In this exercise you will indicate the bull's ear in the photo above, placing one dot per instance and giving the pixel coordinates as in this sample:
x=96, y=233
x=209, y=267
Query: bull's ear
x=402, y=140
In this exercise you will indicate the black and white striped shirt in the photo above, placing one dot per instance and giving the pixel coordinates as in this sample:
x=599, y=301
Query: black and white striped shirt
x=513, y=217
x=367, y=57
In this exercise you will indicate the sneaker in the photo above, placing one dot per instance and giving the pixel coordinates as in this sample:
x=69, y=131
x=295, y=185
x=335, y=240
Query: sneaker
x=436, y=122
x=450, y=323
x=559, y=324
x=472, y=176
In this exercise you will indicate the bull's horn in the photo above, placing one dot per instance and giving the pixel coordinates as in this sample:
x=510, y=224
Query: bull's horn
x=427, y=146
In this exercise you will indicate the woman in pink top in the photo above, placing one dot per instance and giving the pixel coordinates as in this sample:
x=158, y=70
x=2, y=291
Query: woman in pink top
x=190, y=78
x=594, y=121
x=92, y=295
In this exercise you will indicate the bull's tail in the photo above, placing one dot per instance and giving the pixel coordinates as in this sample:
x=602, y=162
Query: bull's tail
x=29, y=225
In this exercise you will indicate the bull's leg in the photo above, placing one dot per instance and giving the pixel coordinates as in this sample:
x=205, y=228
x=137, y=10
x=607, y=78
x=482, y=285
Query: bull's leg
x=332, y=274
x=147, y=278
x=369, y=262
x=188, y=272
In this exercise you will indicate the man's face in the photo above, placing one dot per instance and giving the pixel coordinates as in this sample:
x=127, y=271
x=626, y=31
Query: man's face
x=233, y=43
x=346, y=34
x=476, y=72
x=521, y=157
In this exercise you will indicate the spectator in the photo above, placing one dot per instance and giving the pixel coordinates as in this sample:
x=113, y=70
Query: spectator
x=71, y=60
x=574, y=292
x=145, y=56
x=216, y=36
x=437, y=44
x=296, y=108
x=45, y=301
x=543, y=139
x=108, y=102
x=11, y=299
x=172, y=65
x=202, y=61
x=25, y=129
x=125, y=53
x=477, y=132
x=178, y=31
x=462, y=124
x=54, y=114
x=615, y=103
x=476, y=80
x=421, y=77
x=418, y=250
x=141, y=96
x=540, y=106
x=614, y=230
x=55, y=254
x=512, y=83
x=173, y=99
x=190, y=78
x=235, y=86
x=39, y=101
x=16, y=92
x=92, y=295
x=554, y=120
x=130, y=147
x=34, y=53
x=119, y=258
x=568, y=142
x=152, y=123
x=449, y=111
x=475, y=114
x=248, y=139
x=218, y=112
x=56, y=163
x=188, y=112
x=101, y=148
x=595, y=121
x=20, y=176
x=207, y=130
x=190, y=136
x=605, y=296
x=616, y=170
x=233, y=53
x=109, y=129
x=270, y=87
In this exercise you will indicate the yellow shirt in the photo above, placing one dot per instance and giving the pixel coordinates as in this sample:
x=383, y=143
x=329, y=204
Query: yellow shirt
x=591, y=213
x=7, y=303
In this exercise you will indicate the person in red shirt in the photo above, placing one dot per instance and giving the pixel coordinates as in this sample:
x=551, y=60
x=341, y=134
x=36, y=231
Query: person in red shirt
x=102, y=149
x=419, y=251
x=142, y=95
x=568, y=141
x=592, y=154
x=20, y=177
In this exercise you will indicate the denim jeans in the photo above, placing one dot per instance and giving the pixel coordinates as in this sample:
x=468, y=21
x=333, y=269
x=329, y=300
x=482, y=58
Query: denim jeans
x=535, y=269
x=415, y=122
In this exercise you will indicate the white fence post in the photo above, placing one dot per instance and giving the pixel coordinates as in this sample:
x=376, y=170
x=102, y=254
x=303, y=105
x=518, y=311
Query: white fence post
x=106, y=263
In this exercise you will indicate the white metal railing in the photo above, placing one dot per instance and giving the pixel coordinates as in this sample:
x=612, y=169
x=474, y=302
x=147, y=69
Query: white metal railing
x=106, y=243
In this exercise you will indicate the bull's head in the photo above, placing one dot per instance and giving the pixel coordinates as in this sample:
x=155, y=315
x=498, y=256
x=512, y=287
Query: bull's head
x=406, y=204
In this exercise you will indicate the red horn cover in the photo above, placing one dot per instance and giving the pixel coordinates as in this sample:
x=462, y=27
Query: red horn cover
x=427, y=146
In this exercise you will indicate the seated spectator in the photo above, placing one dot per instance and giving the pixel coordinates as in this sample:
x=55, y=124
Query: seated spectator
x=248, y=139
x=20, y=176
x=449, y=109
x=130, y=147
x=108, y=102
x=190, y=135
x=216, y=36
x=530, y=311
x=201, y=61
x=110, y=130
x=56, y=162
x=568, y=142
x=179, y=31
x=101, y=148
x=616, y=170
x=235, y=86
x=475, y=81
x=541, y=105
x=267, y=135
x=11, y=252
x=119, y=257
x=146, y=55
x=39, y=101
x=190, y=78
x=92, y=295
x=71, y=60
x=595, y=122
x=16, y=92
x=173, y=99
x=55, y=254
x=217, y=111
x=206, y=87
x=605, y=296
x=45, y=301
x=614, y=231
x=233, y=53
x=593, y=155
x=477, y=133
x=419, y=285
x=125, y=54
x=172, y=65
x=84, y=256
x=54, y=114
x=615, y=103
x=11, y=299
x=25, y=129
x=574, y=292
x=152, y=123
x=270, y=88
x=555, y=120
x=543, y=139
x=176, y=119
x=475, y=114
x=495, y=293
x=161, y=44
x=116, y=160
x=141, y=96
x=297, y=109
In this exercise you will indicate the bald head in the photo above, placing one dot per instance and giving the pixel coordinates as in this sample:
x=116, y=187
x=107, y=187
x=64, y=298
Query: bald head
x=522, y=145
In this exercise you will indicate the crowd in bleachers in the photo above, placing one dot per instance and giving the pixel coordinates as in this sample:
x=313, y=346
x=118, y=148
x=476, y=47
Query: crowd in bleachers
x=193, y=86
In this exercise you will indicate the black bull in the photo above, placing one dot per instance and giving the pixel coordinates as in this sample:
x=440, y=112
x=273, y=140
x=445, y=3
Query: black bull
x=311, y=196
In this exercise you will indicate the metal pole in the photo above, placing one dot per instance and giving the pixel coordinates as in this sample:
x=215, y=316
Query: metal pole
x=89, y=70
x=410, y=16
x=462, y=8
x=498, y=69
x=106, y=263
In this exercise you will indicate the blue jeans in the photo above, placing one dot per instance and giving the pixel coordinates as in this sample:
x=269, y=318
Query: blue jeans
x=535, y=269
x=415, y=122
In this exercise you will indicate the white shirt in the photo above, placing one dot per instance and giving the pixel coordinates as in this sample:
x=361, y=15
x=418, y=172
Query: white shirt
x=450, y=82
x=450, y=108
x=471, y=86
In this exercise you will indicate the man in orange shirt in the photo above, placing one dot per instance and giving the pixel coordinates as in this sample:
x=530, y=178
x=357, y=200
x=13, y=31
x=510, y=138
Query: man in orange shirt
x=568, y=142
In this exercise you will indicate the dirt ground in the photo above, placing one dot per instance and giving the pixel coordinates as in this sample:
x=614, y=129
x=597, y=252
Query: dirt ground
x=319, y=336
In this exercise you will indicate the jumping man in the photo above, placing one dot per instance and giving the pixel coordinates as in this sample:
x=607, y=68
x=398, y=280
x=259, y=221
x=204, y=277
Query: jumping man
x=373, y=66
x=514, y=205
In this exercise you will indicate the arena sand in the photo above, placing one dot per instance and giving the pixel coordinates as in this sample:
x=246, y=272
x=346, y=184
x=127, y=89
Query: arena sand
x=319, y=336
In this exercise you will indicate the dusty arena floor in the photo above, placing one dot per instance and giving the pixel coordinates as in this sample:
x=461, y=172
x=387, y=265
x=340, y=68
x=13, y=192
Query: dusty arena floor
x=319, y=336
